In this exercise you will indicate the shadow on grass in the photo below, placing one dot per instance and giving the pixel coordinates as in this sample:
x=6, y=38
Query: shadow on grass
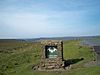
x=72, y=61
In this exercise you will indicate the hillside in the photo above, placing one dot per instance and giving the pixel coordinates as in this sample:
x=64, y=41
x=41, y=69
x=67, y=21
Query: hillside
x=18, y=58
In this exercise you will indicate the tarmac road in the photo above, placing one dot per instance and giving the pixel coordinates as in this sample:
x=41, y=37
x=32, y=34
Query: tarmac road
x=97, y=50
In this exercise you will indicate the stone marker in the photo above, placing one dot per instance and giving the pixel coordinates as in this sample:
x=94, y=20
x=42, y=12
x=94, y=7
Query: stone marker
x=52, y=55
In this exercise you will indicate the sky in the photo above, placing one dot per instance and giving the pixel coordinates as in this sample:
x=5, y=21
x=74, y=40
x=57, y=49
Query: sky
x=49, y=18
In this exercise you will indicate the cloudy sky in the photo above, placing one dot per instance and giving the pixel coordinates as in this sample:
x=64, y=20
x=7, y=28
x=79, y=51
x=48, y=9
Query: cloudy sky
x=49, y=18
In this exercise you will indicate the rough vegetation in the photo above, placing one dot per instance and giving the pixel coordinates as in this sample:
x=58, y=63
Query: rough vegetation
x=18, y=58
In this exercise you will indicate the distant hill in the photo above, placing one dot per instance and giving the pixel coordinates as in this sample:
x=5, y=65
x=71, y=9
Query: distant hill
x=61, y=38
x=51, y=38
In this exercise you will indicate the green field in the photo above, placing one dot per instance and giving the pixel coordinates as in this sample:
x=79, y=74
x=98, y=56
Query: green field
x=18, y=57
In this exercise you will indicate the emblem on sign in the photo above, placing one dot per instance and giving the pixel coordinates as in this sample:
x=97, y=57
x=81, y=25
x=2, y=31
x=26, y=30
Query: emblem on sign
x=52, y=49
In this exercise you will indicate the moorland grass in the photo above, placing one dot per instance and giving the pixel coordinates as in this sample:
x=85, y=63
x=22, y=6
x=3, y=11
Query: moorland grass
x=18, y=59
